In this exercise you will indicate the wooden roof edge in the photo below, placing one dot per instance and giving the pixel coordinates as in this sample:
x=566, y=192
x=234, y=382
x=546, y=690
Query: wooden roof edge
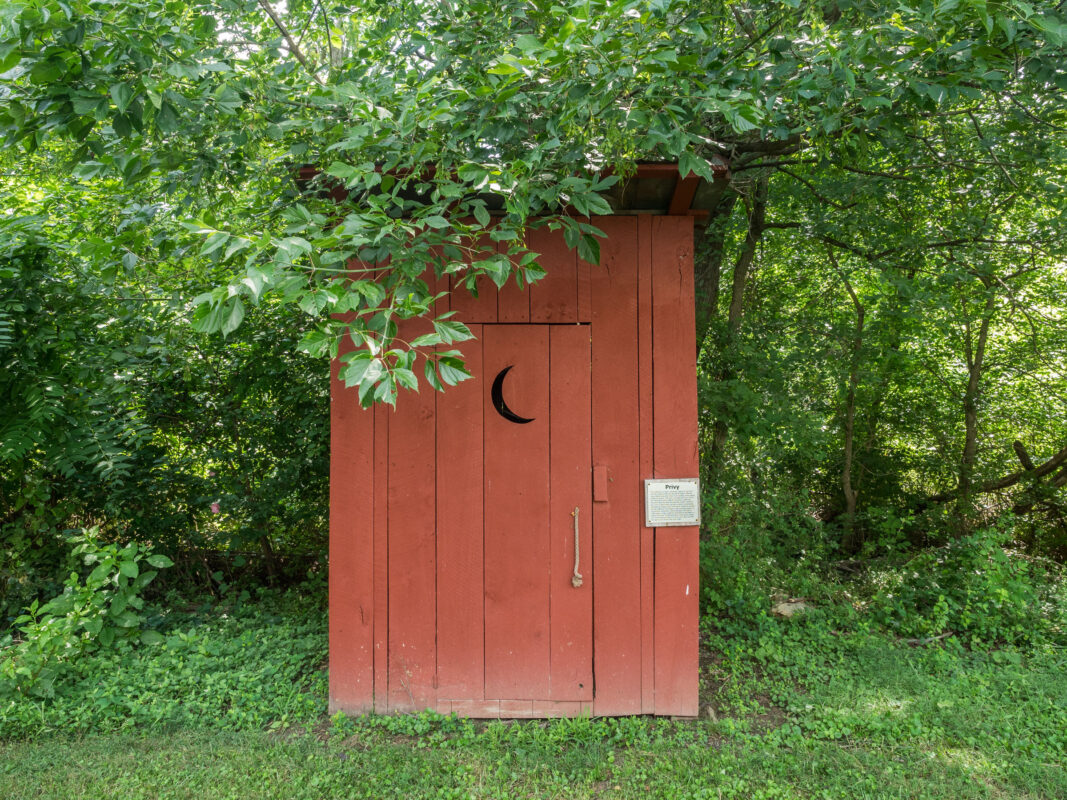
x=680, y=202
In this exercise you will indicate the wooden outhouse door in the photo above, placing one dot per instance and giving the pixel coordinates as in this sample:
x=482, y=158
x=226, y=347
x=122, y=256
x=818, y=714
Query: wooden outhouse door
x=537, y=498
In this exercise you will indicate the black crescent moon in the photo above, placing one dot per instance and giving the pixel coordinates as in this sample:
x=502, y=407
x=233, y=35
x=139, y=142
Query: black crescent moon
x=498, y=399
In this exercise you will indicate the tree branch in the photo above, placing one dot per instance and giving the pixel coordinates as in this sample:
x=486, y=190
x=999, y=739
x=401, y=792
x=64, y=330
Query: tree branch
x=818, y=196
x=1010, y=480
x=1024, y=457
x=756, y=221
x=896, y=176
x=291, y=44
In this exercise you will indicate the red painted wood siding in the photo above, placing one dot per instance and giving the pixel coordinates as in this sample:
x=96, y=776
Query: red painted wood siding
x=617, y=522
x=411, y=501
x=571, y=611
x=675, y=456
x=452, y=535
x=563, y=295
x=460, y=588
x=351, y=542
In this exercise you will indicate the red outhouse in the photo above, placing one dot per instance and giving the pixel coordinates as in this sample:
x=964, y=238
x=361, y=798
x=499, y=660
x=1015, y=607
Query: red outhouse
x=491, y=547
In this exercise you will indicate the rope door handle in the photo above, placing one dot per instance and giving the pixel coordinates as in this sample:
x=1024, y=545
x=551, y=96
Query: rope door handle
x=576, y=579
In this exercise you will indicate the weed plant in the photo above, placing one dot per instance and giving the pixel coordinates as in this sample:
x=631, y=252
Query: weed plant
x=860, y=696
x=253, y=663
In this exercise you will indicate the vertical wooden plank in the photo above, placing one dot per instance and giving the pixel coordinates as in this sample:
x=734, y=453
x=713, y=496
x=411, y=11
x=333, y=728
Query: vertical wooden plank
x=554, y=298
x=585, y=289
x=438, y=285
x=381, y=559
x=617, y=522
x=644, y=388
x=516, y=516
x=412, y=541
x=469, y=308
x=571, y=611
x=513, y=303
x=600, y=484
x=675, y=456
x=460, y=603
x=351, y=588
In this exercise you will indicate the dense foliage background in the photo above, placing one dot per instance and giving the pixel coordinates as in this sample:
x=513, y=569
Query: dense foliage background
x=882, y=283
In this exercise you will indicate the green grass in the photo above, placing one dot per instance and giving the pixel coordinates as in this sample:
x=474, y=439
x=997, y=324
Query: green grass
x=677, y=761
x=233, y=705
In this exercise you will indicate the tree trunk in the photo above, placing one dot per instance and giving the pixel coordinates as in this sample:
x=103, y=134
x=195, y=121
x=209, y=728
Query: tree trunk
x=850, y=493
x=757, y=220
x=880, y=385
x=975, y=353
x=708, y=272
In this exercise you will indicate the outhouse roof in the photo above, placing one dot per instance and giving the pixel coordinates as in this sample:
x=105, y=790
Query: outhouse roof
x=654, y=188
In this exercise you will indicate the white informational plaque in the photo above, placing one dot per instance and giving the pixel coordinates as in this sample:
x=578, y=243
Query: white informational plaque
x=672, y=502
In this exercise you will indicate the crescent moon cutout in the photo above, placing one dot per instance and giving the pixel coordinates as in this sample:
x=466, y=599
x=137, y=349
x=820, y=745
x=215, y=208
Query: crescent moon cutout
x=498, y=399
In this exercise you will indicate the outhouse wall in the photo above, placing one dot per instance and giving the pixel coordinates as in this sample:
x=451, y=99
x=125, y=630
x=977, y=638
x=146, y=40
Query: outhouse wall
x=451, y=528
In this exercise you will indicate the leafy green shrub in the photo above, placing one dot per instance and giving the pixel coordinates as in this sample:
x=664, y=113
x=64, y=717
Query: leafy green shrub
x=977, y=588
x=91, y=613
x=754, y=547
x=114, y=409
x=242, y=665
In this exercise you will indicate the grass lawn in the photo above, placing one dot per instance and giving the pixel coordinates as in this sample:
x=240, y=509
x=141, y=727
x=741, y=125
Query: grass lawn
x=232, y=705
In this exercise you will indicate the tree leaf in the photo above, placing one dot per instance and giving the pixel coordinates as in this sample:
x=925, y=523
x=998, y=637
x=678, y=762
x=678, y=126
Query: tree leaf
x=234, y=314
x=406, y=378
x=431, y=376
x=214, y=242
x=122, y=94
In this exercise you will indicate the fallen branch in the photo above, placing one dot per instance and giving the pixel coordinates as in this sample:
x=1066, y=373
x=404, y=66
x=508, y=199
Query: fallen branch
x=1011, y=479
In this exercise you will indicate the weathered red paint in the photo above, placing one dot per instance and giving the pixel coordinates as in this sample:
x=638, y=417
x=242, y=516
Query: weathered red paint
x=469, y=308
x=452, y=528
x=617, y=524
x=571, y=607
x=410, y=496
x=513, y=303
x=460, y=560
x=554, y=298
x=675, y=453
x=516, y=490
x=379, y=699
x=644, y=403
x=351, y=543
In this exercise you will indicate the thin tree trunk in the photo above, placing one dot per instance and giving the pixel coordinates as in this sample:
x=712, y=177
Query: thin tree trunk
x=269, y=558
x=975, y=353
x=880, y=385
x=708, y=273
x=847, y=489
x=757, y=220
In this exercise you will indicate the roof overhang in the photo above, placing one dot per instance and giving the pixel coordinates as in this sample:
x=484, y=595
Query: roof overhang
x=653, y=188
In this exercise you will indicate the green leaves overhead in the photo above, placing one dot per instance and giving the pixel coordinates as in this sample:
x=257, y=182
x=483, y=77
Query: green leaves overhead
x=413, y=116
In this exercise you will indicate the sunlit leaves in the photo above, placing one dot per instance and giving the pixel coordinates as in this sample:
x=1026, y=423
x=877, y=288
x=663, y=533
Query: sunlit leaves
x=428, y=139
